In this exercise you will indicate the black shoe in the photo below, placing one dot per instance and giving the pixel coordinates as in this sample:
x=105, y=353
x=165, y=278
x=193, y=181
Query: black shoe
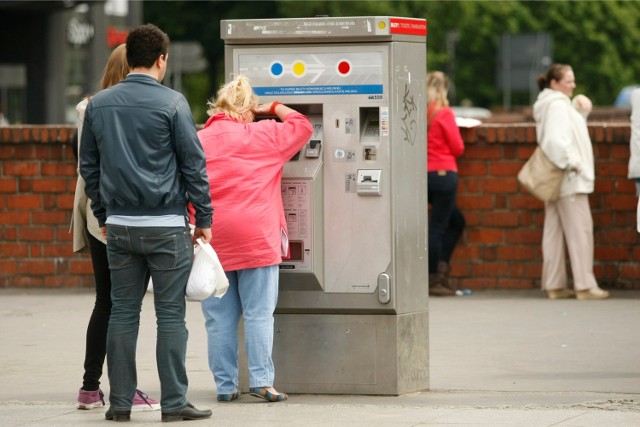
x=188, y=412
x=119, y=416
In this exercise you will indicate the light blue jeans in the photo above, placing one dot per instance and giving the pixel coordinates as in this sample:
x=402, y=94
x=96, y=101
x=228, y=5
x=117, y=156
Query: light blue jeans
x=166, y=252
x=252, y=294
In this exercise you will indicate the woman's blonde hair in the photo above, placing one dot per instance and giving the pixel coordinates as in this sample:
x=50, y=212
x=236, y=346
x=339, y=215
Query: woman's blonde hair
x=437, y=88
x=117, y=67
x=236, y=99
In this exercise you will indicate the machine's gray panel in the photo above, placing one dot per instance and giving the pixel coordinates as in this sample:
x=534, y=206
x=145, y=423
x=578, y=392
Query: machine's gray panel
x=351, y=354
x=409, y=177
x=299, y=337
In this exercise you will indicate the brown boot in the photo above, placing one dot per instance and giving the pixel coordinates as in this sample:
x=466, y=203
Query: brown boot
x=437, y=287
x=444, y=268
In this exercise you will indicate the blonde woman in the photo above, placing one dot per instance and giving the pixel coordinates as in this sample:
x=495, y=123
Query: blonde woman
x=244, y=165
x=444, y=146
x=87, y=234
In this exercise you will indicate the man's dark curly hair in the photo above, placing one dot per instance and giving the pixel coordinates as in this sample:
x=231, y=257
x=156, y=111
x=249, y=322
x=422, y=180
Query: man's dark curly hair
x=145, y=44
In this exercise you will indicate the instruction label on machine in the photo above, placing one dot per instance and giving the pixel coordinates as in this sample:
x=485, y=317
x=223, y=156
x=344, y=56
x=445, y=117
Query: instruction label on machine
x=319, y=73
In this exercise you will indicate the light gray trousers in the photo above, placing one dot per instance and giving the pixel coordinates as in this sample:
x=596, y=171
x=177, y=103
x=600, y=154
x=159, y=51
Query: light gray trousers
x=568, y=220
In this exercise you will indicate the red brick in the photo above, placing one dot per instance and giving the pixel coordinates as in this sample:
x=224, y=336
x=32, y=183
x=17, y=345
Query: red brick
x=77, y=266
x=63, y=234
x=491, y=269
x=499, y=185
x=68, y=281
x=467, y=252
x=485, y=236
x=24, y=202
x=8, y=185
x=49, y=185
x=612, y=253
x=500, y=219
x=36, y=267
x=59, y=169
x=486, y=152
x=7, y=267
x=24, y=185
x=473, y=168
x=475, y=202
x=64, y=201
x=21, y=168
x=55, y=217
x=36, y=234
x=35, y=251
x=621, y=202
x=515, y=283
x=520, y=236
x=23, y=281
x=506, y=168
x=58, y=250
x=611, y=169
x=14, y=250
x=12, y=217
x=513, y=252
x=620, y=152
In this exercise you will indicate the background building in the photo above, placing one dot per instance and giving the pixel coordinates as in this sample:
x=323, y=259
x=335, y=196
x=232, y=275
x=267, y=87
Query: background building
x=52, y=53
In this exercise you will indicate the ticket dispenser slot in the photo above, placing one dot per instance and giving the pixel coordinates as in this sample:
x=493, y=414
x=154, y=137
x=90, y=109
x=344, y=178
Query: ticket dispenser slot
x=313, y=150
x=369, y=182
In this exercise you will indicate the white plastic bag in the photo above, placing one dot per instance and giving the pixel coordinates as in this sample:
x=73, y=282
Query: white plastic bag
x=207, y=277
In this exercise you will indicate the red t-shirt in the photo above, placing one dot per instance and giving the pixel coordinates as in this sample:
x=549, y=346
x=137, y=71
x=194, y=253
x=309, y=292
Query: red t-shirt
x=444, y=142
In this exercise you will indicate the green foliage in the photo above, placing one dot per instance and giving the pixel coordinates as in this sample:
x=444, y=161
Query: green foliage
x=599, y=39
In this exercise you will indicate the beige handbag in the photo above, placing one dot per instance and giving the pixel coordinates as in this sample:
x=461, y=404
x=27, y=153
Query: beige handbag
x=541, y=177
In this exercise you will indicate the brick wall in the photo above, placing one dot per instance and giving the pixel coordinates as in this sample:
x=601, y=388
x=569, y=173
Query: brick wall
x=37, y=182
x=499, y=249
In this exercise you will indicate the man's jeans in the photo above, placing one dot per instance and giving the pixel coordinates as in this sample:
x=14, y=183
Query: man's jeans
x=167, y=253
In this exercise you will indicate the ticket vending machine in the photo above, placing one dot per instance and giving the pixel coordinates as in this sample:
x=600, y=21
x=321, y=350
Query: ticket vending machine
x=352, y=313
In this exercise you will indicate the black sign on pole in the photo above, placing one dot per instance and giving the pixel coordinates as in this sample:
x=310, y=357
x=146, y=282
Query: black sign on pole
x=522, y=57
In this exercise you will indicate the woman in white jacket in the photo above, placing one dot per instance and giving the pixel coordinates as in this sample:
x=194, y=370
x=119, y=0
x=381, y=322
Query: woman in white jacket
x=563, y=136
x=634, y=147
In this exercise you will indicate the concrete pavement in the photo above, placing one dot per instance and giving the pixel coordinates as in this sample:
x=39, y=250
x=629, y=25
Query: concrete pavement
x=498, y=358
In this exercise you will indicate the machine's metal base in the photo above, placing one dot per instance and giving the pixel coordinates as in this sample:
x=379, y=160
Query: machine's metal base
x=349, y=354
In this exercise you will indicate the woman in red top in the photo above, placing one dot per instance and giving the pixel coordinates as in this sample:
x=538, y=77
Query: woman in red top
x=249, y=233
x=444, y=145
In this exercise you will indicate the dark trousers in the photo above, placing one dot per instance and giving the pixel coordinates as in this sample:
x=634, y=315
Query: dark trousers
x=96, y=342
x=166, y=252
x=447, y=222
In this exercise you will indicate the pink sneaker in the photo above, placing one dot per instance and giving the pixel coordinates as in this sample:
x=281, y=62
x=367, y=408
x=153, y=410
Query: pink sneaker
x=90, y=399
x=142, y=402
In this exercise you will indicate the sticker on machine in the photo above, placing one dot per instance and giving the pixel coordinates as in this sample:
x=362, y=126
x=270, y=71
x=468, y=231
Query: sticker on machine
x=410, y=26
x=343, y=155
x=350, y=182
x=384, y=121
